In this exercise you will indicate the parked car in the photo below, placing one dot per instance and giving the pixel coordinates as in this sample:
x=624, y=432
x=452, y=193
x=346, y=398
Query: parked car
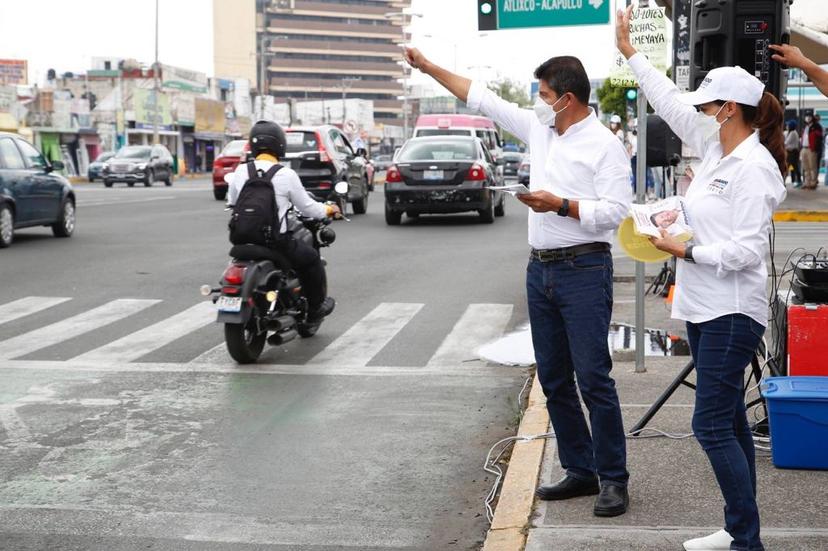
x=139, y=163
x=96, y=166
x=443, y=174
x=523, y=171
x=382, y=162
x=322, y=157
x=226, y=163
x=511, y=163
x=32, y=193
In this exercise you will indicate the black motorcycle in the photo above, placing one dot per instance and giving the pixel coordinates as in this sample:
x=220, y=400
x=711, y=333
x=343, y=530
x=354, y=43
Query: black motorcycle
x=260, y=298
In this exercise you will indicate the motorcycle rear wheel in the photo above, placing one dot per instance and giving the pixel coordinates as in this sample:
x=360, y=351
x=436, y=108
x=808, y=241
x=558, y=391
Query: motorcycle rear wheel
x=243, y=343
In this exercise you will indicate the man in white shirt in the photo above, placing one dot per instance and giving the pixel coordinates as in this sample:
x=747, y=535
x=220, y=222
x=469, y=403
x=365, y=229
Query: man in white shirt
x=580, y=183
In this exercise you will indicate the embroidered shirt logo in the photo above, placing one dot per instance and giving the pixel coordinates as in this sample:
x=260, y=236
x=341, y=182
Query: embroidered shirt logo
x=717, y=186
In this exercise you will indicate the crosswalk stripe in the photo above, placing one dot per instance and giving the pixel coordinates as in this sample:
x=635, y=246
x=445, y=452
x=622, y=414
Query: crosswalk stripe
x=71, y=327
x=480, y=324
x=368, y=336
x=140, y=343
x=25, y=306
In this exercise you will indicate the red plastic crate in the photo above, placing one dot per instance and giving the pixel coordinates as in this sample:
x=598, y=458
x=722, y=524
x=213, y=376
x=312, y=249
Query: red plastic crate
x=807, y=337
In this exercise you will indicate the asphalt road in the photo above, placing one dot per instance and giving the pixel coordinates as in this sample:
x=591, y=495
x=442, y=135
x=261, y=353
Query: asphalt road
x=124, y=424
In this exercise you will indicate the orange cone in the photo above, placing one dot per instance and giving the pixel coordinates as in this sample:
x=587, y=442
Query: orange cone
x=669, y=299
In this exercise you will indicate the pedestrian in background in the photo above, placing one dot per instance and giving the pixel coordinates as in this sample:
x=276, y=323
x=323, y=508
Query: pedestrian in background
x=812, y=142
x=792, y=148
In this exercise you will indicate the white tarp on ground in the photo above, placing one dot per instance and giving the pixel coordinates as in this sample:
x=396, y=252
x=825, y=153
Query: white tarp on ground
x=513, y=349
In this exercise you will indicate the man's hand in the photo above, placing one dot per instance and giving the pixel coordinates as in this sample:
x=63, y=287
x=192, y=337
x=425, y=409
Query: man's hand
x=333, y=210
x=541, y=201
x=415, y=58
x=790, y=56
x=622, y=32
x=669, y=244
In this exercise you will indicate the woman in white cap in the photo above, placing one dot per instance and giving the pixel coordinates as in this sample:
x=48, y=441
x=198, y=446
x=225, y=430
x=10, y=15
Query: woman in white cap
x=736, y=127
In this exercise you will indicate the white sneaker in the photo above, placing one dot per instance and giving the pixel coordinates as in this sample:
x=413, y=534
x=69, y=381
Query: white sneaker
x=720, y=541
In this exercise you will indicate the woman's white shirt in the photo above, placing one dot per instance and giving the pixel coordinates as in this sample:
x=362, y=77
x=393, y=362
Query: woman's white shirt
x=730, y=204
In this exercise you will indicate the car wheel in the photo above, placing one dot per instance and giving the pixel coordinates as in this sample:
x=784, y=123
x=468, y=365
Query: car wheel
x=219, y=193
x=487, y=215
x=392, y=218
x=361, y=205
x=149, y=178
x=169, y=179
x=65, y=226
x=500, y=209
x=107, y=183
x=6, y=226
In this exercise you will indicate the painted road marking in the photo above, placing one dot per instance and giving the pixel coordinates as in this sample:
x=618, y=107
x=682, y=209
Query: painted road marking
x=26, y=306
x=479, y=325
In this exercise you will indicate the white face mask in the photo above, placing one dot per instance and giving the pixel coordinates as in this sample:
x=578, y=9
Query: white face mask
x=708, y=125
x=546, y=113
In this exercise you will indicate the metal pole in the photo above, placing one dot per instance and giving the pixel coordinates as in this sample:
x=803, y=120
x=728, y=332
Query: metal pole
x=640, y=191
x=343, y=103
x=156, y=86
x=262, y=76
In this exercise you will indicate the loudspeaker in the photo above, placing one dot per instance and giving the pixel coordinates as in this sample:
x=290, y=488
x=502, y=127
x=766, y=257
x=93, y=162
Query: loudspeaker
x=663, y=146
x=737, y=33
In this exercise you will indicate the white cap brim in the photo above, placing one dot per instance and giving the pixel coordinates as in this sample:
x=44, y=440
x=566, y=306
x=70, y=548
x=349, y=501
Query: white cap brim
x=698, y=97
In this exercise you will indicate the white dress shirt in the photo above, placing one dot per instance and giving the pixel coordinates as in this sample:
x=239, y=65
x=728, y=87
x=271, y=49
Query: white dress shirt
x=586, y=163
x=288, y=188
x=730, y=204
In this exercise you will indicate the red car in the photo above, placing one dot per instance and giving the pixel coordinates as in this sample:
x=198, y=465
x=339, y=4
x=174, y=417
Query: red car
x=226, y=163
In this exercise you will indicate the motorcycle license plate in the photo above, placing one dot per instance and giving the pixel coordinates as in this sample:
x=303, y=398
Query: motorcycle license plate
x=229, y=304
x=432, y=175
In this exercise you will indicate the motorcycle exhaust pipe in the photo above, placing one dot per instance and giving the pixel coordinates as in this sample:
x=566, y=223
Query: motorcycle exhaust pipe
x=282, y=323
x=281, y=338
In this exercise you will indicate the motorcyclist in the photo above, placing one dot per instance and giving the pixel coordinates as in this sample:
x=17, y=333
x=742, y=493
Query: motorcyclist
x=267, y=147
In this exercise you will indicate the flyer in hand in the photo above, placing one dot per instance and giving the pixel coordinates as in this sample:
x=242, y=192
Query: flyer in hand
x=669, y=214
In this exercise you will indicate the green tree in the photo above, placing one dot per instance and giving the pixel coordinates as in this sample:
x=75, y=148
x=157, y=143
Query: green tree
x=612, y=99
x=513, y=92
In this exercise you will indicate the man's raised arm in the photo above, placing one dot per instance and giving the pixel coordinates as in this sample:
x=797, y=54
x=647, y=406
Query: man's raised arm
x=793, y=57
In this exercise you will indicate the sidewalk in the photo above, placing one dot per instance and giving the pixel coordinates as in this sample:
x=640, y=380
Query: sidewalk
x=674, y=495
x=804, y=205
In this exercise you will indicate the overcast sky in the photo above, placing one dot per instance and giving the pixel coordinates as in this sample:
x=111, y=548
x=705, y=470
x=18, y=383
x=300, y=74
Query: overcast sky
x=66, y=34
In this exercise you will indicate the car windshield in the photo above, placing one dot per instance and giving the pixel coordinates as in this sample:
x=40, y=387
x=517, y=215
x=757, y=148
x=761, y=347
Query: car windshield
x=234, y=148
x=512, y=156
x=104, y=157
x=438, y=150
x=137, y=152
x=424, y=132
x=298, y=142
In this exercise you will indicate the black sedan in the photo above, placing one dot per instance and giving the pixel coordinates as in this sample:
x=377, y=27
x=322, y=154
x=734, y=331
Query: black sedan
x=443, y=174
x=32, y=193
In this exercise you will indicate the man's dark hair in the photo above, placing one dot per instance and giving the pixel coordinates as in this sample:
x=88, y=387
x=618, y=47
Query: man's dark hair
x=565, y=74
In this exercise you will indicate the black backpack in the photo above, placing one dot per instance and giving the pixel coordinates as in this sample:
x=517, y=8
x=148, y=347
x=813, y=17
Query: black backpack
x=254, y=216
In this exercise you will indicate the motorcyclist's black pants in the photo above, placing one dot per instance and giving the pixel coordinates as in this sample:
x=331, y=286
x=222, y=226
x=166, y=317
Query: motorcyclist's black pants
x=308, y=265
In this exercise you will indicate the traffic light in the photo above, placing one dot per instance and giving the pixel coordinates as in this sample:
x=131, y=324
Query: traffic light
x=631, y=95
x=486, y=15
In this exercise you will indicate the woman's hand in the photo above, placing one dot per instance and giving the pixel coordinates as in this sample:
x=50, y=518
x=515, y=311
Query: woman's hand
x=622, y=32
x=669, y=244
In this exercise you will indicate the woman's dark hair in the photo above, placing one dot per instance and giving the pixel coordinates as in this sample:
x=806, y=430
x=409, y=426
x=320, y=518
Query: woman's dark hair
x=565, y=74
x=769, y=118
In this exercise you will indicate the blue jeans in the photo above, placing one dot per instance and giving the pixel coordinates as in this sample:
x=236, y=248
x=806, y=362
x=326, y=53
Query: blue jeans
x=721, y=349
x=570, y=304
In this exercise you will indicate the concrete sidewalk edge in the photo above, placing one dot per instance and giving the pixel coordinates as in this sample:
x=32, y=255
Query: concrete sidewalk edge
x=800, y=216
x=517, y=496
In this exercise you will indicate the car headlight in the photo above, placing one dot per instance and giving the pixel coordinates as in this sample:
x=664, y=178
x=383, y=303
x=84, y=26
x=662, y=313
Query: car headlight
x=141, y=166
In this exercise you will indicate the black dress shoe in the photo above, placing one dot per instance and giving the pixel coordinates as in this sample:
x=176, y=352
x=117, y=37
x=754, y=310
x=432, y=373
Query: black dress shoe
x=566, y=488
x=612, y=501
x=318, y=314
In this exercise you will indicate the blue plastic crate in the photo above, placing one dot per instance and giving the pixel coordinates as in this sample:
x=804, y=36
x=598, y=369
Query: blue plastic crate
x=798, y=411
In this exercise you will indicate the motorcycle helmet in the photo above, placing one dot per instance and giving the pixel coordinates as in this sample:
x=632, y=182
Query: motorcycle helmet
x=267, y=137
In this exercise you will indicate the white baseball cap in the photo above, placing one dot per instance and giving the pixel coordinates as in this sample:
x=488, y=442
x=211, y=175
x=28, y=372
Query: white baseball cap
x=726, y=84
x=616, y=119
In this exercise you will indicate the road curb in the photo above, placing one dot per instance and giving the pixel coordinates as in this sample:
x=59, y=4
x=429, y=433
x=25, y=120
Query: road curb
x=517, y=496
x=75, y=180
x=800, y=216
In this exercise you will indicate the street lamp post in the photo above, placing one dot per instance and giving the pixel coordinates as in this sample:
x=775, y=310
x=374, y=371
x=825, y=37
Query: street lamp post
x=346, y=84
x=403, y=15
x=156, y=86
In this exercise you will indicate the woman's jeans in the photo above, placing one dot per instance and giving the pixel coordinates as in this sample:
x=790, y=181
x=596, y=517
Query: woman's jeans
x=721, y=349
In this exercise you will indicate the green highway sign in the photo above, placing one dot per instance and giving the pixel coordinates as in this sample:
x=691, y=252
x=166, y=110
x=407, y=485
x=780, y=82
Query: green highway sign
x=518, y=14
